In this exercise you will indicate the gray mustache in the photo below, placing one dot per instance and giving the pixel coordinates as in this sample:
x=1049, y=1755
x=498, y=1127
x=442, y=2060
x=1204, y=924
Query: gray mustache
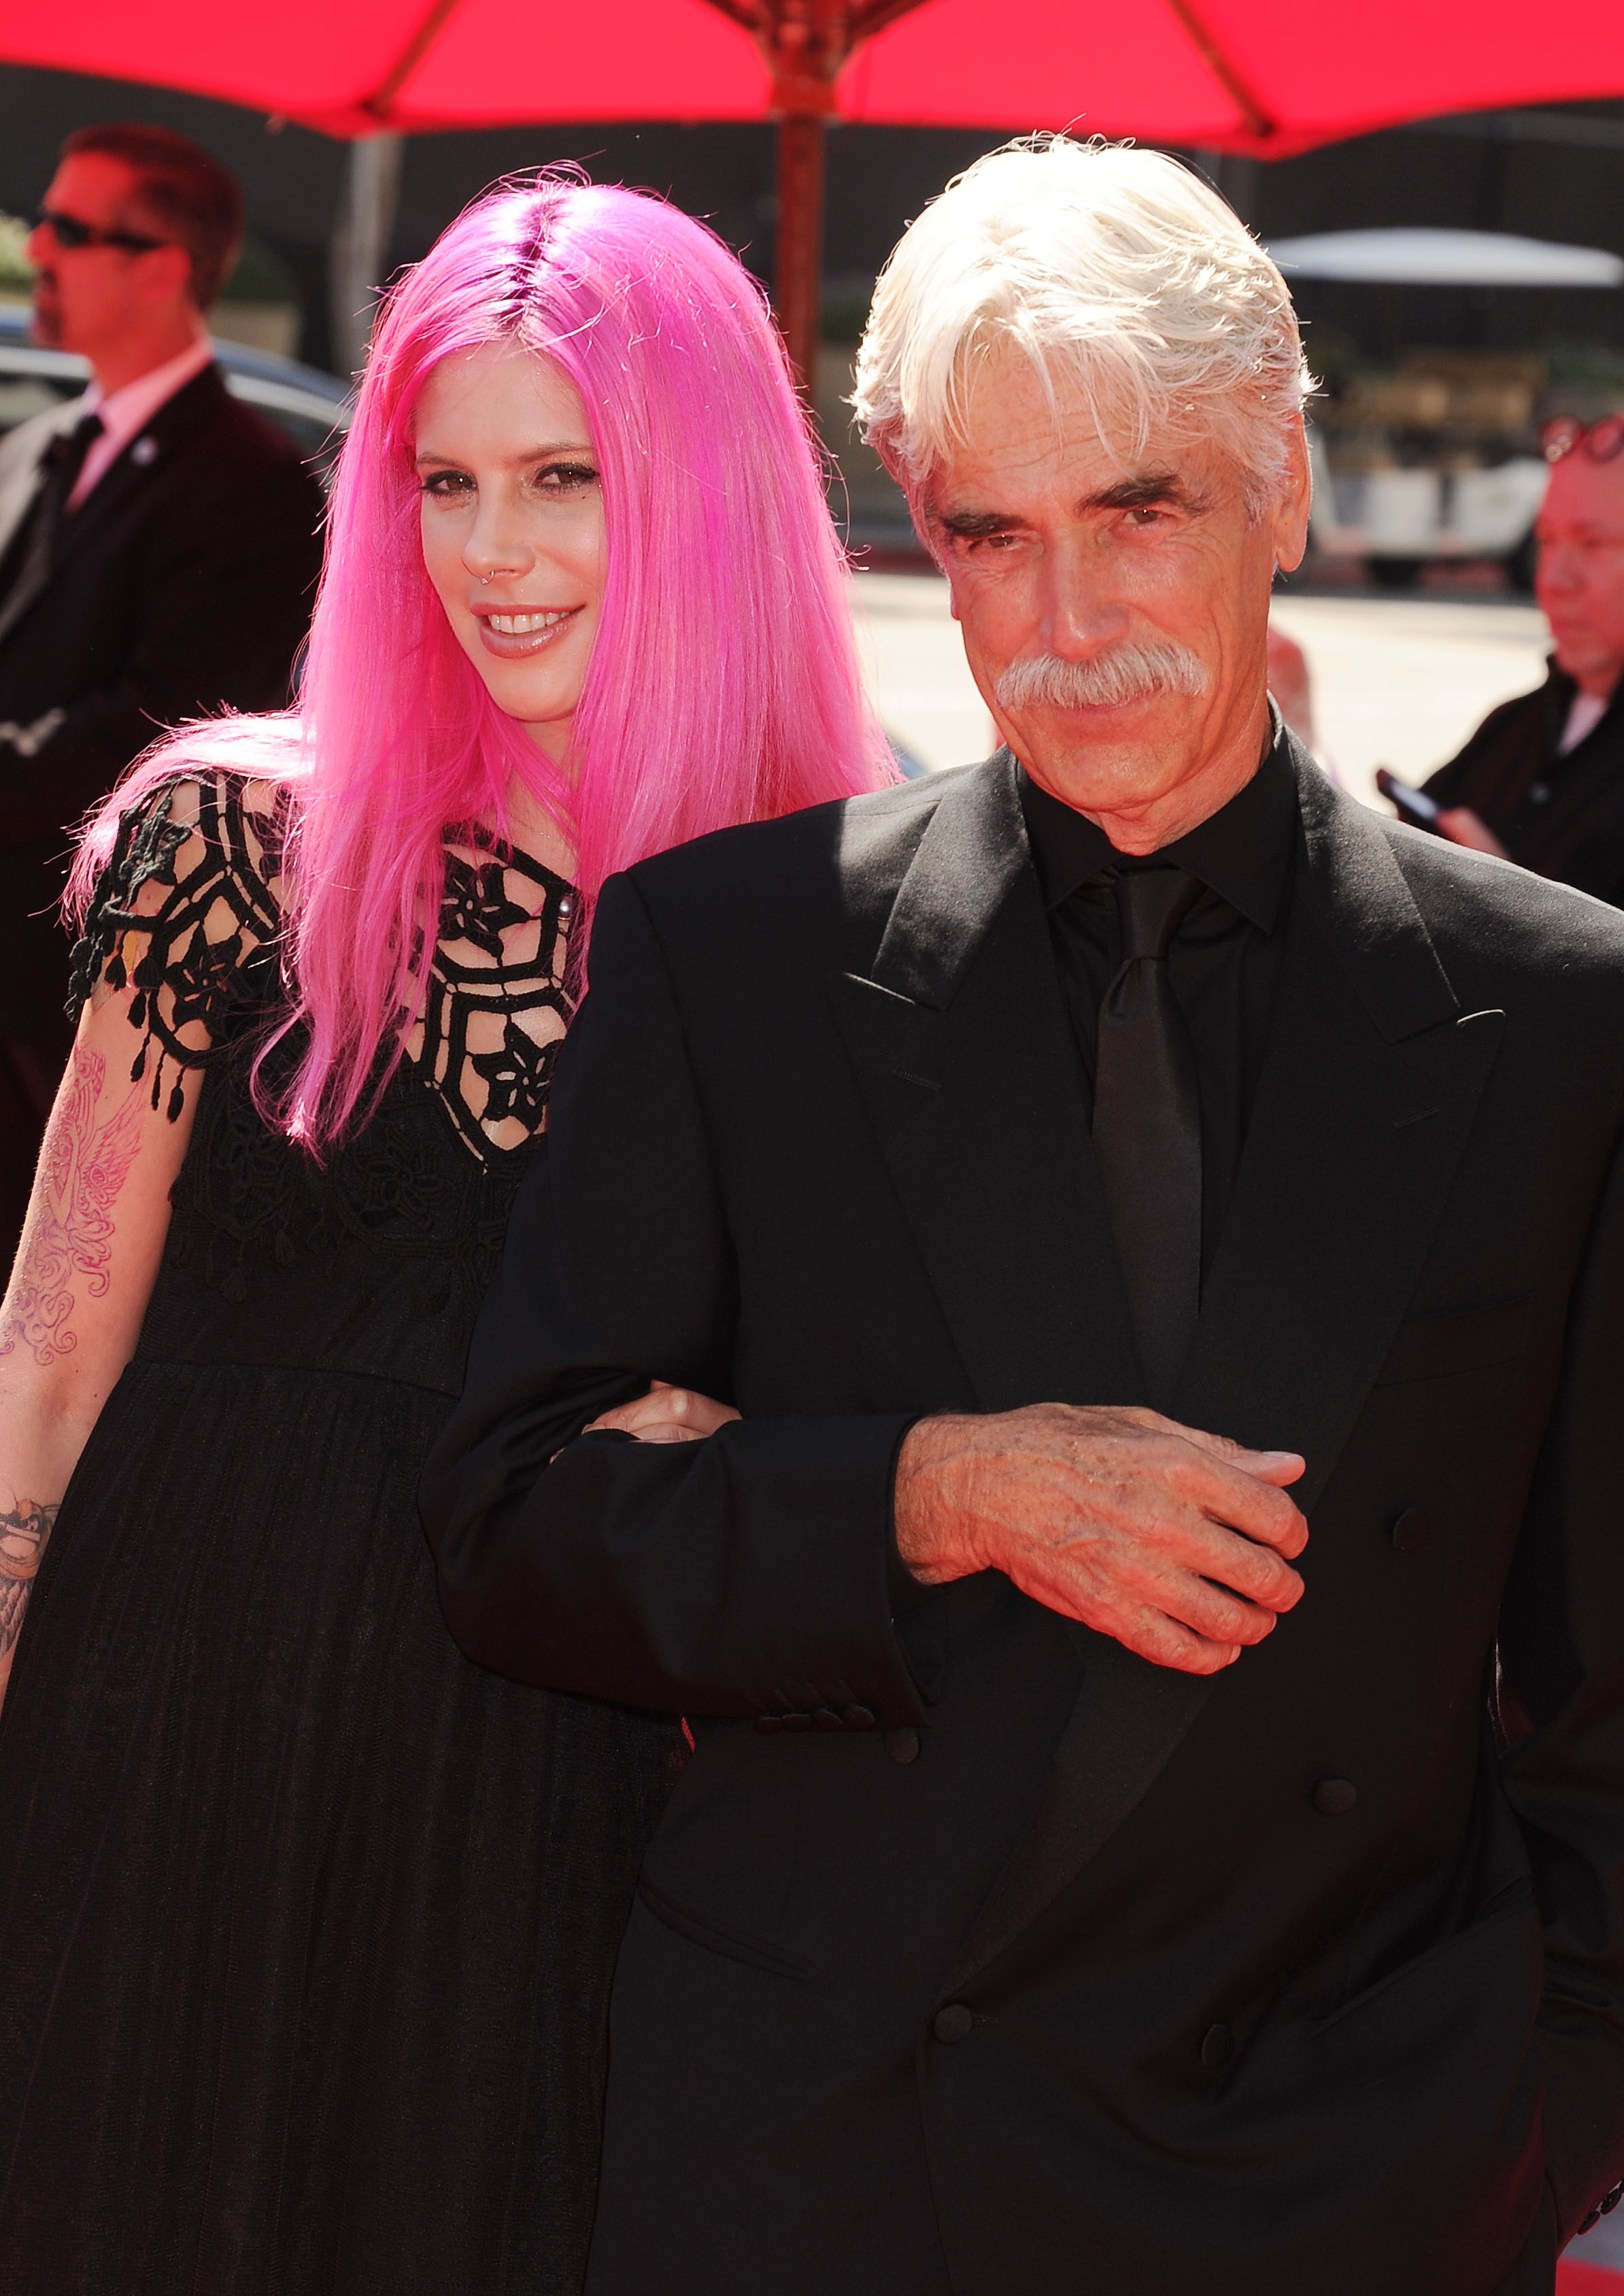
x=1124, y=673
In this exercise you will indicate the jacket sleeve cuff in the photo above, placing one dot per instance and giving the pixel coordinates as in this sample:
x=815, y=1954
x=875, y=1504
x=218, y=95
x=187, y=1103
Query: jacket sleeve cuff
x=906, y=1592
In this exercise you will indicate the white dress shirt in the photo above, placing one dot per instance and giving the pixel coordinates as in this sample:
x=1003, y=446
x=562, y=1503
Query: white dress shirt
x=129, y=410
x=1585, y=714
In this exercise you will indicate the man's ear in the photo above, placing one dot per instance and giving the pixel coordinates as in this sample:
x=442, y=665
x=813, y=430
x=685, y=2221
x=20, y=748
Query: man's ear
x=1289, y=511
x=169, y=275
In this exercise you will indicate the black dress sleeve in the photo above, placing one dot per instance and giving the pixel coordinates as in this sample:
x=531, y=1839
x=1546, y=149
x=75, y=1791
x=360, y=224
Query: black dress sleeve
x=184, y=917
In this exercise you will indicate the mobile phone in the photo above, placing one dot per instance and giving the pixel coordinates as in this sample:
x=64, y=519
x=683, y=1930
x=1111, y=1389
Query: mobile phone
x=1414, y=805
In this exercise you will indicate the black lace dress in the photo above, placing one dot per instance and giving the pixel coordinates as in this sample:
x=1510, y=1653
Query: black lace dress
x=307, y=1922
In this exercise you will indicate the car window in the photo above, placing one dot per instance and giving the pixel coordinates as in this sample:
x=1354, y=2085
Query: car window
x=33, y=381
x=316, y=428
x=22, y=398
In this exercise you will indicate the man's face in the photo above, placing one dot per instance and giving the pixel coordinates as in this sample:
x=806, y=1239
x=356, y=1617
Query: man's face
x=1580, y=573
x=89, y=299
x=1114, y=603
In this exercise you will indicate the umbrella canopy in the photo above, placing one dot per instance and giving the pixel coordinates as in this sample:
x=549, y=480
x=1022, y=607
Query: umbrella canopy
x=1445, y=259
x=1269, y=77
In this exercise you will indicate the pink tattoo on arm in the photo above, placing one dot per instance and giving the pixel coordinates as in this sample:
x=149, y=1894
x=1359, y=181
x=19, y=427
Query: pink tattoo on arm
x=68, y=1240
x=25, y=1530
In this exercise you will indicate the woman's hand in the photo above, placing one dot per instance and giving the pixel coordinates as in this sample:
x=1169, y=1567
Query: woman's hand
x=667, y=1414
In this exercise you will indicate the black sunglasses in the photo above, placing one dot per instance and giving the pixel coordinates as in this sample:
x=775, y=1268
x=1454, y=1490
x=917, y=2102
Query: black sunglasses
x=68, y=231
x=1601, y=441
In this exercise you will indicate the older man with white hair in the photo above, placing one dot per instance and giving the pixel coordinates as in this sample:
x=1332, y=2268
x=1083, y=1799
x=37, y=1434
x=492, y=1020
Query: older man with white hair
x=1054, y=1186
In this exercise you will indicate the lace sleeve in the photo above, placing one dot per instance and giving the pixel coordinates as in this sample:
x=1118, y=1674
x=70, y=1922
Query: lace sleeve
x=185, y=916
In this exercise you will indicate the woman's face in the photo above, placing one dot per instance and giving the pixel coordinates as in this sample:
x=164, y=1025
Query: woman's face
x=512, y=528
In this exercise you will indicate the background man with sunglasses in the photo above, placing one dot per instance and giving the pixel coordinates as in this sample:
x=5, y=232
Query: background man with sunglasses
x=158, y=553
x=1541, y=781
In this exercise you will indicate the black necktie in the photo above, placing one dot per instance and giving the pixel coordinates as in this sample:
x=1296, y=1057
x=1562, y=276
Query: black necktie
x=27, y=562
x=1147, y=1128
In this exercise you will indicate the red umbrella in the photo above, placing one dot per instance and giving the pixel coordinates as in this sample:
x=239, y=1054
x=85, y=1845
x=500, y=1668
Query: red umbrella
x=1268, y=77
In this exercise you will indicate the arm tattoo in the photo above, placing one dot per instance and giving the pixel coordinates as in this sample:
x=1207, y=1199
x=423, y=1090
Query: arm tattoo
x=25, y=1531
x=69, y=1234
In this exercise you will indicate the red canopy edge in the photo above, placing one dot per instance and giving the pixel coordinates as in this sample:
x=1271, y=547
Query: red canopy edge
x=1260, y=77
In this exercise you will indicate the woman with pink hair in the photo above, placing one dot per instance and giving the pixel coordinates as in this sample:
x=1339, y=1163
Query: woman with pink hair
x=307, y=1922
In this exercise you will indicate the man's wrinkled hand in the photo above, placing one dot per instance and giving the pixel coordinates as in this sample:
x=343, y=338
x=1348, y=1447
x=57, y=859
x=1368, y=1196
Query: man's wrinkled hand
x=1176, y=1543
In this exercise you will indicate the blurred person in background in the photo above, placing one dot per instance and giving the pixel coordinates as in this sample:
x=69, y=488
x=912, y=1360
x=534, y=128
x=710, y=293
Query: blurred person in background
x=159, y=552
x=1290, y=685
x=1541, y=781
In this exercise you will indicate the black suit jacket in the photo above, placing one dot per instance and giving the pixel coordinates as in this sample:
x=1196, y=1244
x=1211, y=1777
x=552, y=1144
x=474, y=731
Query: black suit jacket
x=1563, y=817
x=1212, y=2019
x=182, y=584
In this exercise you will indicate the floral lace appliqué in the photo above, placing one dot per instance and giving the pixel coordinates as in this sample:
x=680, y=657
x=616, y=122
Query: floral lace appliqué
x=496, y=1005
x=208, y=949
x=203, y=961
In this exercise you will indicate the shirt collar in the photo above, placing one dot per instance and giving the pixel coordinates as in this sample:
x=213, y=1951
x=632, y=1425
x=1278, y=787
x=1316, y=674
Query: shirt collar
x=1562, y=691
x=1243, y=852
x=125, y=411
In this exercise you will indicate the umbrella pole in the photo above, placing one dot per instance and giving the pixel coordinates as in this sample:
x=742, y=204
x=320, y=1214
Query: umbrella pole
x=798, y=262
x=805, y=43
x=360, y=248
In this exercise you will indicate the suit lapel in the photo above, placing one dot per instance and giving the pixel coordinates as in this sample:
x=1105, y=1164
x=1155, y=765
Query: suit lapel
x=1372, y=1081
x=1368, y=1092
x=144, y=460
x=963, y=1052
x=19, y=483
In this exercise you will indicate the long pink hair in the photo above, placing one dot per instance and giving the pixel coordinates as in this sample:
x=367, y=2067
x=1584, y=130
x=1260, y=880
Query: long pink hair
x=722, y=685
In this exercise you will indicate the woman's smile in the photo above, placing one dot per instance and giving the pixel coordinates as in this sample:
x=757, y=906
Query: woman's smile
x=511, y=632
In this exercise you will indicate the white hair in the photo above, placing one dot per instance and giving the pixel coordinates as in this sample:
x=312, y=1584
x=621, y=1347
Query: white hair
x=1117, y=265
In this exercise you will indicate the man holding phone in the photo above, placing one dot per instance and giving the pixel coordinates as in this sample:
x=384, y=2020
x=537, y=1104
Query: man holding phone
x=1541, y=781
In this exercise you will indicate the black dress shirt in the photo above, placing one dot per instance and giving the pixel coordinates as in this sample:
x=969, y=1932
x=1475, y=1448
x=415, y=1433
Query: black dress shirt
x=1224, y=966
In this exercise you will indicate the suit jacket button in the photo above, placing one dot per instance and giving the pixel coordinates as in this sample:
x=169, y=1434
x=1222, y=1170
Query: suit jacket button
x=953, y=2022
x=858, y=1717
x=902, y=1745
x=769, y=1724
x=798, y=1721
x=1217, y=2047
x=1335, y=1797
x=825, y=1718
x=1409, y=1529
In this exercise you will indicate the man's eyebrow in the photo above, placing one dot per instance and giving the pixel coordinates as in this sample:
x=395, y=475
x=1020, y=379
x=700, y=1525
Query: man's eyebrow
x=1143, y=491
x=975, y=525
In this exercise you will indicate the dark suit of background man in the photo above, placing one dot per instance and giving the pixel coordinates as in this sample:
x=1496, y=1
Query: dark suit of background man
x=1081, y=1886
x=1541, y=781
x=158, y=555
